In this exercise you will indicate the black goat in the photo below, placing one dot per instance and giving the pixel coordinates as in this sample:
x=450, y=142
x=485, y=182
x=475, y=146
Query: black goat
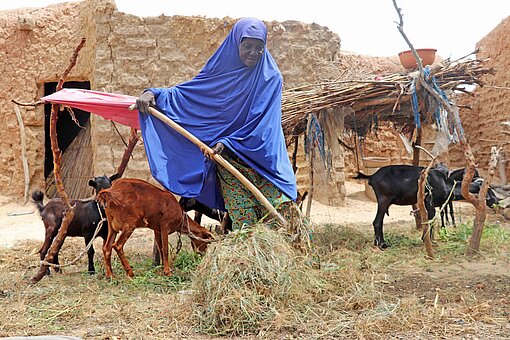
x=454, y=183
x=200, y=209
x=398, y=184
x=225, y=227
x=83, y=224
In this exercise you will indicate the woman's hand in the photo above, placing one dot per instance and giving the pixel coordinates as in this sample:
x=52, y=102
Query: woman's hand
x=216, y=150
x=145, y=101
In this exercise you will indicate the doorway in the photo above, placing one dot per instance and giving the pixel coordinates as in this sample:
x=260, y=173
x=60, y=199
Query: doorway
x=74, y=143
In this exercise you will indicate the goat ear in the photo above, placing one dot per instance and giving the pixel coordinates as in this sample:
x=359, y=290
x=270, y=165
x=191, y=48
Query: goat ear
x=92, y=183
x=114, y=177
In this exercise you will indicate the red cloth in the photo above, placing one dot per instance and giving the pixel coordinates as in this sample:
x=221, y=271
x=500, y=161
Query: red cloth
x=110, y=106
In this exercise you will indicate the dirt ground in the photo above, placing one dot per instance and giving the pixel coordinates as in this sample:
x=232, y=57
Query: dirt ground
x=394, y=294
x=20, y=221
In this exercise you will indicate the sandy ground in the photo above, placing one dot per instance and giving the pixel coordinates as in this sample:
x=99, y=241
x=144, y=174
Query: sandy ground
x=20, y=221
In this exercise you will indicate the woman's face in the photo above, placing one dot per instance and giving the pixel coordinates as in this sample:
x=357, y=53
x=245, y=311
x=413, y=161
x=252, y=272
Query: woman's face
x=250, y=51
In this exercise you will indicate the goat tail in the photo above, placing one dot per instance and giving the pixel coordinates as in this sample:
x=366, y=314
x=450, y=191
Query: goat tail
x=37, y=198
x=103, y=197
x=361, y=175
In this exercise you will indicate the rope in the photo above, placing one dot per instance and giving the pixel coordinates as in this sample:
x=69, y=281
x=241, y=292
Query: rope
x=315, y=134
x=99, y=225
x=414, y=103
x=189, y=233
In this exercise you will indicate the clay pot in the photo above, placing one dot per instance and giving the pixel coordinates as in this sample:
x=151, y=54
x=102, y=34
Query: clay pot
x=407, y=59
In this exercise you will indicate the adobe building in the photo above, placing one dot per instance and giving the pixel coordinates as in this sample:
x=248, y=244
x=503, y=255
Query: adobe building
x=125, y=54
x=490, y=105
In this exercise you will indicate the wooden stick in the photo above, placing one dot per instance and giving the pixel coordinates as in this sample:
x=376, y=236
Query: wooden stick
x=57, y=160
x=478, y=224
x=311, y=154
x=133, y=139
x=416, y=162
x=421, y=205
x=23, y=150
x=255, y=191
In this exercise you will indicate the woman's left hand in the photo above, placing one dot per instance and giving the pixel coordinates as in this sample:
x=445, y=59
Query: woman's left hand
x=216, y=150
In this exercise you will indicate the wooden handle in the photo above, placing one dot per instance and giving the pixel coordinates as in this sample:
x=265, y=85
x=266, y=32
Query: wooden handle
x=220, y=160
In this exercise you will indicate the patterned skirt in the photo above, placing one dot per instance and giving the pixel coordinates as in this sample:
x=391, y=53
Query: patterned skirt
x=242, y=206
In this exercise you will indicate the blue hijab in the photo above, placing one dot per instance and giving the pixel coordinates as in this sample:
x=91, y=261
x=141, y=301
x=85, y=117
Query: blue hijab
x=226, y=102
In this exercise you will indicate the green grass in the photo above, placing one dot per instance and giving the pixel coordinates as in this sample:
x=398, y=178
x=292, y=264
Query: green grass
x=148, y=277
x=455, y=240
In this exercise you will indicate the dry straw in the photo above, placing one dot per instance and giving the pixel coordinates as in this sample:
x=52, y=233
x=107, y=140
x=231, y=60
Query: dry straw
x=246, y=280
x=386, y=99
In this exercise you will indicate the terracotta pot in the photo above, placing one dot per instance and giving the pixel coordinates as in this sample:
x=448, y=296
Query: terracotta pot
x=407, y=59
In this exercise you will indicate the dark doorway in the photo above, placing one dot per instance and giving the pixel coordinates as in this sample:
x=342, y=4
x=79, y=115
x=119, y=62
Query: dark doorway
x=74, y=143
x=67, y=130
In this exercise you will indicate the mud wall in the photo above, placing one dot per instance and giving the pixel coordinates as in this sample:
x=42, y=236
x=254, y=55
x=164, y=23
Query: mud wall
x=125, y=54
x=35, y=47
x=490, y=104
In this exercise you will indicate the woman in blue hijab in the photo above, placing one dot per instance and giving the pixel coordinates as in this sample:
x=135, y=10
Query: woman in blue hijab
x=234, y=103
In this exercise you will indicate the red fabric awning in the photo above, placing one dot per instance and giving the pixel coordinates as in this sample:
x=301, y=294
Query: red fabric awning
x=111, y=106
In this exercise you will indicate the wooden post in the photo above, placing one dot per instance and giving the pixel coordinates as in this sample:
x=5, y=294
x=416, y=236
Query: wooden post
x=416, y=162
x=57, y=160
x=421, y=205
x=453, y=113
x=476, y=236
x=311, y=154
x=23, y=151
x=133, y=139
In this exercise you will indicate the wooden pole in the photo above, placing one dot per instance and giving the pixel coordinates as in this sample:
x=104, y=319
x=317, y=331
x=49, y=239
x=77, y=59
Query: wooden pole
x=311, y=154
x=421, y=205
x=416, y=162
x=478, y=224
x=133, y=139
x=220, y=160
x=57, y=160
x=23, y=151
x=453, y=113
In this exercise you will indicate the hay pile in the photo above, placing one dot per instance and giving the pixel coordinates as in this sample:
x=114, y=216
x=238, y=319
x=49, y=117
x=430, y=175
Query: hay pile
x=247, y=281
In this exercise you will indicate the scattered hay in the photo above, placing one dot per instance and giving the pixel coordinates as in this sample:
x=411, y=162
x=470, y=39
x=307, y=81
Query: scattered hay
x=246, y=281
x=256, y=283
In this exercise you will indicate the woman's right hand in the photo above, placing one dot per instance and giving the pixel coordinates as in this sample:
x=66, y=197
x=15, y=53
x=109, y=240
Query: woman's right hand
x=145, y=101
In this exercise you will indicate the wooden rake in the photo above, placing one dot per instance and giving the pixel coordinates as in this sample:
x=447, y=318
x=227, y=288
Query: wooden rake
x=218, y=159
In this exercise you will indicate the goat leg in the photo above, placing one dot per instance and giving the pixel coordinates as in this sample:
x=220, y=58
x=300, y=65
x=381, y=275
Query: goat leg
x=163, y=237
x=107, y=252
x=156, y=256
x=119, y=248
x=90, y=255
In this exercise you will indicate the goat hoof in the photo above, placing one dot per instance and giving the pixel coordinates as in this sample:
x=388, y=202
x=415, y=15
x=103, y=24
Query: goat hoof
x=381, y=245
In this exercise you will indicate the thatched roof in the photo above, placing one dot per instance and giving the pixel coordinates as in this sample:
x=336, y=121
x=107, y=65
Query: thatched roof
x=364, y=103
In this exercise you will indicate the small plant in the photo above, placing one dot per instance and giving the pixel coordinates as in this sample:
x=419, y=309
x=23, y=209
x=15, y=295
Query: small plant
x=187, y=262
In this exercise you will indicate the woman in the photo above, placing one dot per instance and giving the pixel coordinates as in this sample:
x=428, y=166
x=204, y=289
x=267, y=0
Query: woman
x=233, y=104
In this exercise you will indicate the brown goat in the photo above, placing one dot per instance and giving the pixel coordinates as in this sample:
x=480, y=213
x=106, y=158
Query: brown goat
x=133, y=203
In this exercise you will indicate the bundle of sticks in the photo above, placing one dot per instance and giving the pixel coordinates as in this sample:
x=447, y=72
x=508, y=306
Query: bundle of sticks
x=386, y=99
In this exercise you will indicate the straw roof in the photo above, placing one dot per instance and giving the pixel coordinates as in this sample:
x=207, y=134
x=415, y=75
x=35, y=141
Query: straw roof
x=364, y=103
